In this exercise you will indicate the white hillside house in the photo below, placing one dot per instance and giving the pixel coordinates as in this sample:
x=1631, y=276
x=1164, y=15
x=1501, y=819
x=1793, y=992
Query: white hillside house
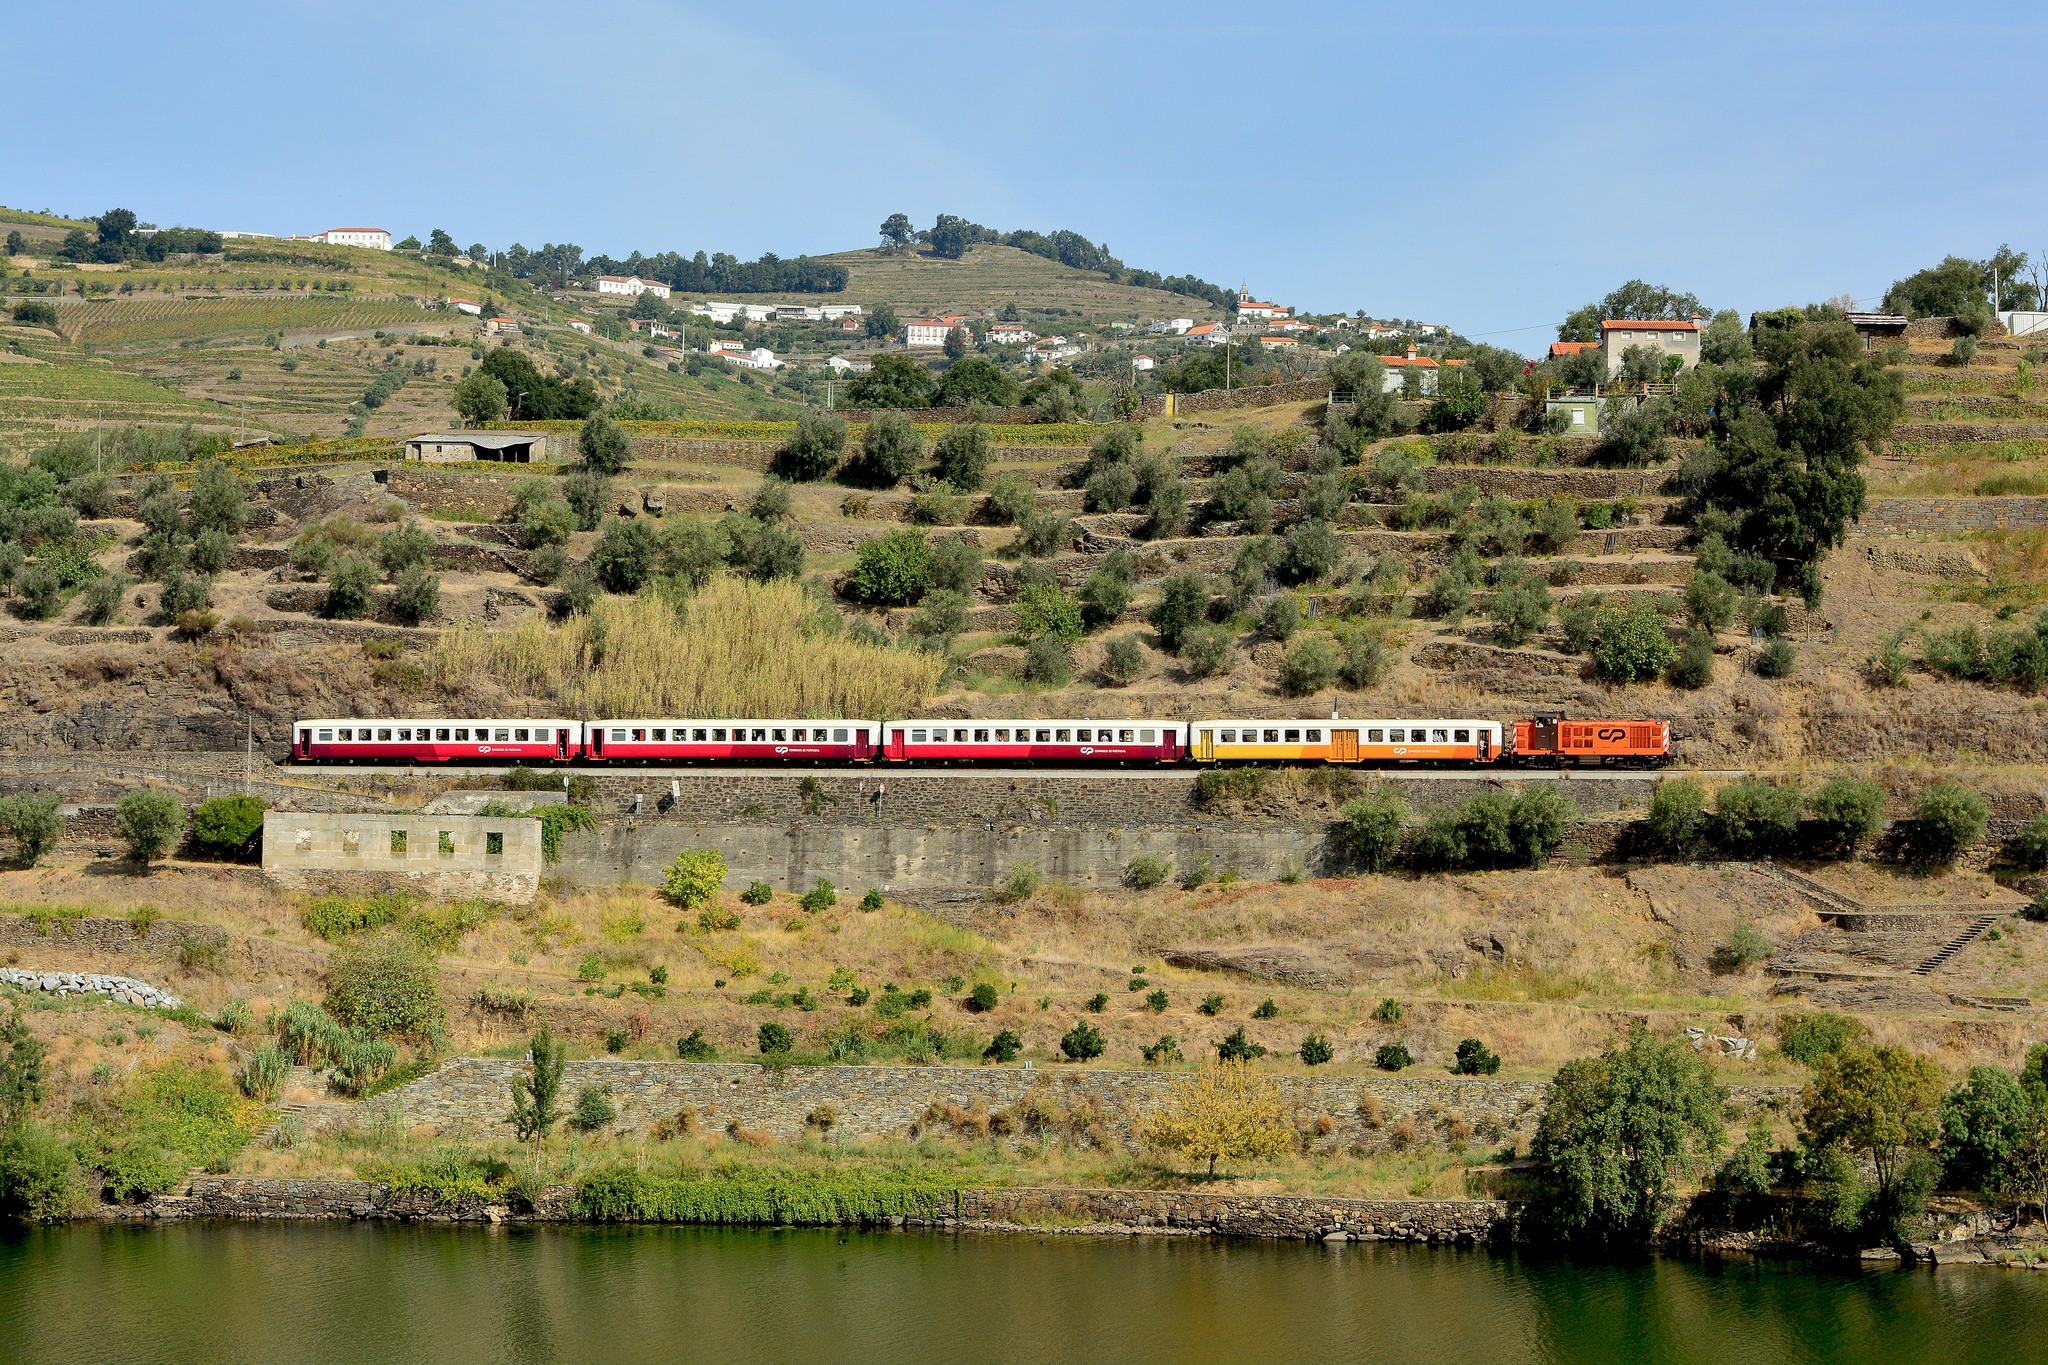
x=926, y=332
x=631, y=285
x=1010, y=334
x=376, y=239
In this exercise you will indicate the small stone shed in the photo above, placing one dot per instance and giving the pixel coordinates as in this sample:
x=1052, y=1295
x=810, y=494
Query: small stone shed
x=432, y=855
x=463, y=447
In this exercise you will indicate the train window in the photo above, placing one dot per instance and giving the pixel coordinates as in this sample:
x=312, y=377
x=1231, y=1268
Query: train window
x=1397, y=736
x=1294, y=736
x=1147, y=736
x=696, y=736
x=384, y=734
x=917, y=736
x=441, y=734
x=1375, y=736
x=1063, y=736
x=519, y=735
x=501, y=735
x=1084, y=736
x=660, y=736
x=760, y=734
x=1272, y=736
x=1002, y=736
x=1440, y=736
x=1127, y=736
x=327, y=734
x=1463, y=736
x=839, y=736
x=981, y=736
x=1227, y=737
x=1315, y=736
x=461, y=736
x=718, y=736
x=618, y=736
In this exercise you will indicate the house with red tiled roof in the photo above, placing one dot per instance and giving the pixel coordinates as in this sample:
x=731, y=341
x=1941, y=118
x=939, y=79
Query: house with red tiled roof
x=1425, y=367
x=1278, y=341
x=631, y=284
x=1248, y=309
x=1560, y=349
x=1209, y=334
x=1669, y=336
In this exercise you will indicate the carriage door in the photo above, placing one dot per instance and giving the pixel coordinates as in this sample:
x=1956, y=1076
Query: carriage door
x=1544, y=733
x=892, y=742
x=561, y=744
x=306, y=743
x=1343, y=746
x=1485, y=744
x=1204, y=746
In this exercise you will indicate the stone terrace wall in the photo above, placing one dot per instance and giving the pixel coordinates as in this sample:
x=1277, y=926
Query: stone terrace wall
x=1951, y=516
x=439, y=490
x=99, y=934
x=758, y=456
x=1221, y=400
x=468, y=1096
x=1296, y=1217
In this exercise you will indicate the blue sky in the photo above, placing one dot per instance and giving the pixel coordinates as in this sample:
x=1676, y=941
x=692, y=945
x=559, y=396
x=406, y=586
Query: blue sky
x=1491, y=167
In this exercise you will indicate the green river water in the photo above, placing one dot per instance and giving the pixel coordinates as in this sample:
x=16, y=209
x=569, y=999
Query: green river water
x=374, y=1293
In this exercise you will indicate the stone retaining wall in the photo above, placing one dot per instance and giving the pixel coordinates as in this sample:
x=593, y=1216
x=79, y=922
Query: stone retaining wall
x=1221, y=400
x=1951, y=516
x=1294, y=1217
x=468, y=1097
x=1952, y=433
x=99, y=934
x=759, y=455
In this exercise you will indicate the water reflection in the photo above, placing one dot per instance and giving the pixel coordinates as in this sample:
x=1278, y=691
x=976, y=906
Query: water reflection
x=275, y=1293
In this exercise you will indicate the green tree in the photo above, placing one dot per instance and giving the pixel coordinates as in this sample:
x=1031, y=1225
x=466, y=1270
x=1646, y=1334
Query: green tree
x=1677, y=813
x=1635, y=301
x=1754, y=818
x=1183, y=603
x=897, y=232
x=480, y=399
x=1846, y=812
x=972, y=379
x=1045, y=608
x=416, y=596
x=349, y=585
x=694, y=877
x=1373, y=825
x=34, y=823
x=1983, y=1122
x=604, y=445
x=813, y=450
x=962, y=454
x=625, y=555
x=890, y=450
x=894, y=569
x=1630, y=643
x=894, y=381
x=1621, y=1133
x=404, y=547
x=150, y=822
x=1057, y=396
x=537, y=1098
x=228, y=825
x=218, y=501
x=1947, y=818
x=1711, y=601
x=386, y=986
x=1880, y=1106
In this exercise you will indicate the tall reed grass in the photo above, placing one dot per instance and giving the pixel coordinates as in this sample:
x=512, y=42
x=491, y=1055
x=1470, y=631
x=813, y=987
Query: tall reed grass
x=736, y=648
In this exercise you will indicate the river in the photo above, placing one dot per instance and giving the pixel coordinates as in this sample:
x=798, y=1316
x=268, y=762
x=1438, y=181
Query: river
x=382, y=1293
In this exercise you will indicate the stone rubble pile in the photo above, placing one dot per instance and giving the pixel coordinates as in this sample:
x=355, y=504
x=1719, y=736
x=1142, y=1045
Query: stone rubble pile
x=125, y=989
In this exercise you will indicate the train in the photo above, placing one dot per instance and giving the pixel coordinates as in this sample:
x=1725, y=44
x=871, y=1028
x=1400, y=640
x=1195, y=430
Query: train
x=1547, y=739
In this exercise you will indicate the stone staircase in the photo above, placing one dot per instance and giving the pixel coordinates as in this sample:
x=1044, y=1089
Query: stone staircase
x=1957, y=944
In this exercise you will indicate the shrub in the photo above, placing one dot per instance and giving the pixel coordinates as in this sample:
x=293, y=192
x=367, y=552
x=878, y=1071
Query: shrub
x=1806, y=1038
x=893, y=569
x=1045, y=608
x=1309, y=665
x=1004, y=1047
x=1365, y=659
x=889, y=449
x=263, y=1075
x=1081, y=1042
x=1098, y=1002
x=1373, y=825
x=1156, y=1002
x=962, y=454
x=348, y=589
x=1236, y=1047
x=819, y=898
x=1392, y=1057
x=1677, y=813
x=983, y=998
x=1205, y=650
x=812, y=451
x=1266, y=1009
x=1148, y=870
x=695, y=1047
x=773, y=1039
x=34, y=823
x=1754, y=818
x=872, y=901
x=2029, y=846
x=1537, y=821
x=1123, y=660
x=1776, y=659
x=416, y=596
x=1629, y=643
x=1693, y=668
x=593, y=1110
x=1475, y=1058
x=1710, y=601
x=1846, y=812
x=695, y=877
x=1519, y=610
x=1183, y=602
x=385, y=987
x=228, y=825
x=758, y=893
x=150, y=822
x=624, y=558
x=1212, y=1004
x=1947, y=818
x=1316, y=1049
x=603, y=444
x=1746, y=946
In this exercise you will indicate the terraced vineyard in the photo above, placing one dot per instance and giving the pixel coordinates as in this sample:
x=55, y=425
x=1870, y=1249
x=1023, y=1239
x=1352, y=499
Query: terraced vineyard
x=126, y=322
x=37, y=398
x=990, y=276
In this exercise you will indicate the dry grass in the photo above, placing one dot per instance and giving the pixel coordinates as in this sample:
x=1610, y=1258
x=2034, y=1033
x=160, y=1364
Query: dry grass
x=737, y=649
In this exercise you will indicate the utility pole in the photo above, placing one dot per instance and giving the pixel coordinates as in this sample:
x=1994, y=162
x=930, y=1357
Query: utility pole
x=248, y=749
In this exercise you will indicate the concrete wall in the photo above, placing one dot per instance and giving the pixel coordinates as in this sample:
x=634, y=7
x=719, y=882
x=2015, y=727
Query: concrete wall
x=441, y=855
